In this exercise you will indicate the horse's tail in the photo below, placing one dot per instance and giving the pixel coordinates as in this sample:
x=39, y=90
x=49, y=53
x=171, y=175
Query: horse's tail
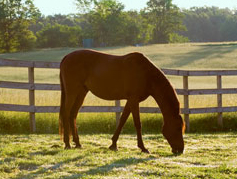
x=62, y=105
x=62, y=108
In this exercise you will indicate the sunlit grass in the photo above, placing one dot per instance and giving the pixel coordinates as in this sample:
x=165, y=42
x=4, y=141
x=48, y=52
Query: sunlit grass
x=42, y=156
x=182, y=56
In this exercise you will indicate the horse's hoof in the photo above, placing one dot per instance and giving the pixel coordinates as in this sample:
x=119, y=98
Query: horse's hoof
x=145, y=151
x=67, y=147
x=177, y=151
x=78, y=147
x=113, y=148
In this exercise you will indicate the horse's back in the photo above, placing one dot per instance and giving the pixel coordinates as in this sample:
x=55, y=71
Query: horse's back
x=107, y=76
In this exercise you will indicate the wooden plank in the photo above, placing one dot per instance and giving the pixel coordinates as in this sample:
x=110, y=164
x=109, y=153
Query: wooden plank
x=95, y=109
x=110, y=109
x=17, y=108
x=92, y=109
x=229, y=109
x=55, y=87
x=16, y=63
x=101, y=109
x=39, y=64
x=199, y=72
x=41, y=86
x=47, y=109
x=204, y=110
x=181, y=92
x=83, y=109
x=212, y=91
x=212, y=110
x=175, y=72
x=212, y=73
x=15, y=85
x=150, y=110
x=22, y=63
x=29, y=86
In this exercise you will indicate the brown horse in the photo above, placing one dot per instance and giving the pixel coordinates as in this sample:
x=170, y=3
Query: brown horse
x=132, y=77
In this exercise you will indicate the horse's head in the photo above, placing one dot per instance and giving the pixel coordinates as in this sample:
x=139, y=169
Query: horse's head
x=173, y=132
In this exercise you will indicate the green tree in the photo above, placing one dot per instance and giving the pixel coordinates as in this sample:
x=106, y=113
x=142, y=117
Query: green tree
x=15, y=17
x=106, y=20
x=59, y=36
x=108, y=24
x=166, y=19
x=137, y=29
x=210, y=24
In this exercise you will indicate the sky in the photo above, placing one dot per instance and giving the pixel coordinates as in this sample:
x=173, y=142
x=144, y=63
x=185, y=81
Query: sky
x=51, y=7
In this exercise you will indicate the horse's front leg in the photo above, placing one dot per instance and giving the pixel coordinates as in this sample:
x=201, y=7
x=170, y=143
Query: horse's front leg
x=137, y=123
x=122, y=121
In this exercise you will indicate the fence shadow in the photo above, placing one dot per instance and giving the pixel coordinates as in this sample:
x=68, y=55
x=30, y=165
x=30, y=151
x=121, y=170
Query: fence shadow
x=34, y=171
x=214, y=51
x=104, y=169
x=37, y=170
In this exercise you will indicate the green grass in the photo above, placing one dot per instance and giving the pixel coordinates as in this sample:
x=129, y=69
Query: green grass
x=182, y=56
x=42, y=156
x=13, y=123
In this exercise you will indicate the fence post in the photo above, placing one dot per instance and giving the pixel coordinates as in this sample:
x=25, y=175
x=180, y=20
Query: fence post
x=31, y=80
x=219, y=101
x=186, y=103
x=117, y=104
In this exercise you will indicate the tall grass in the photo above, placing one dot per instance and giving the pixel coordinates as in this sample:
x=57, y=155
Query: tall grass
x=179, y=56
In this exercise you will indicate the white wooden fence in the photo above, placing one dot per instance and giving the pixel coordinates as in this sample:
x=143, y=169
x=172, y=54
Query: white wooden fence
x=186, y=92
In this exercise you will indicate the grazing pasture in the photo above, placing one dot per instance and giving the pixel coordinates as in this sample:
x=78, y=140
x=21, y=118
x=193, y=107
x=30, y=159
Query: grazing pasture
x=211, y=156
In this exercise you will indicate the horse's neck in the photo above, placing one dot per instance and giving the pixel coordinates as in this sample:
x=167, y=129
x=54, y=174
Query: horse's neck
x=166, y=97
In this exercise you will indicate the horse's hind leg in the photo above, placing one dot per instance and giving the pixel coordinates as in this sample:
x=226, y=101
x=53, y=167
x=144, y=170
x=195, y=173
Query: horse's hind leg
x=69, y=100
x=78, y=103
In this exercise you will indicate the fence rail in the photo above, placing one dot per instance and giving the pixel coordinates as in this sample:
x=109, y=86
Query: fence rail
x=186, y=92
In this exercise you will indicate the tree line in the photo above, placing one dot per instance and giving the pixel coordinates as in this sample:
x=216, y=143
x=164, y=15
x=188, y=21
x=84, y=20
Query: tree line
x=23, y=27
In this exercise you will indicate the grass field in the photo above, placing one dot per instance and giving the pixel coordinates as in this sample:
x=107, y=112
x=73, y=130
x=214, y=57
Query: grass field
x=179, y=56
x=209, y=156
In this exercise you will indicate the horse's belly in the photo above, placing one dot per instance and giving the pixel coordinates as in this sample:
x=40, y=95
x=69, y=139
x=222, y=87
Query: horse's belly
x=106, y=89
x=105, y=96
